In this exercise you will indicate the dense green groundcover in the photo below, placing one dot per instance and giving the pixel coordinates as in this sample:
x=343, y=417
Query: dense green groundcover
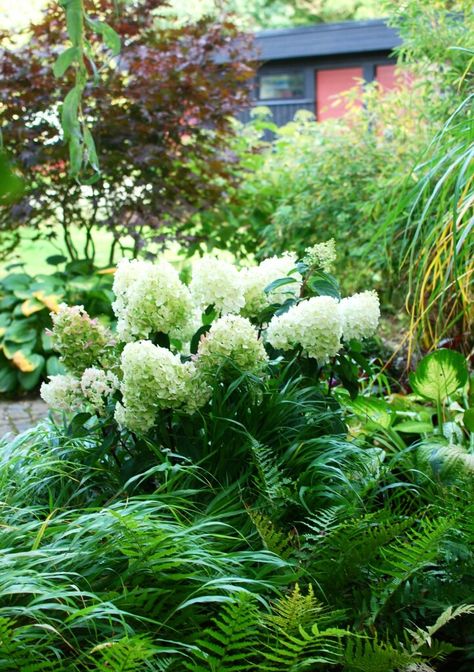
x=283, y=523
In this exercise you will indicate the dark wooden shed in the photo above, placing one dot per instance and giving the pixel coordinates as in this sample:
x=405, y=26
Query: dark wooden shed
x=306, y=68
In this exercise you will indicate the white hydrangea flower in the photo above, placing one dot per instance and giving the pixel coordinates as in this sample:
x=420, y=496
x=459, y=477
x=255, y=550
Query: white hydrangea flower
x=150, y=298
x=97, y=385
x=154, y=378
x=234, y=338
x=62, y=393
x=360, y=315
x=315, y=325
x=217, y=282
x=255, y=280
x=322, y=255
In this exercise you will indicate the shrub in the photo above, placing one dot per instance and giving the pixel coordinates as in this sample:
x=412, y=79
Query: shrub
x=160, y=120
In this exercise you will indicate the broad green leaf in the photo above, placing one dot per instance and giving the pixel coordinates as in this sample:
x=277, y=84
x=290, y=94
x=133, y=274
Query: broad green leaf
x=439, y=375
x=370, y=410
x=46, y=342
x=54, y=366
x=323, y=284
x=16, y=281
x=280, y=282
x=56, y=259
x=8, y=378
x=414, y=427
x=20, y=331
x=31, y=306
x=27, y=363
x=468, y=419
x=28, y=381
x=10, y=347
x=65, y=60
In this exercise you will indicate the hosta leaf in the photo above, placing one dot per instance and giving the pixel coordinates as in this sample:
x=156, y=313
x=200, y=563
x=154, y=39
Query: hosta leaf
x=31, y=306
x=414, y=427
x=371, y=410
x=16, y=281
x=30, y=380
x=54, y=366
x=10, y=347
x=48, y=300
x=8, y=378
x=439, y=375
x=26, y=363
x=20, y=331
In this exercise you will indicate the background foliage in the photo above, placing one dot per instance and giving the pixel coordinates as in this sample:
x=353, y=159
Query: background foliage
x=160, y=121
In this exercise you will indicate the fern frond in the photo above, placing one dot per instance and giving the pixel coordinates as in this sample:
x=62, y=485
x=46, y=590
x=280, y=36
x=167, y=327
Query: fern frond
x=405, y=558
x=291, y=653
x=423, y=638
x=230, y=645
x=373, y=656
x=293, y=611
x=16, y=654
x=130, y=654
x=273, y=540
x=272, y=485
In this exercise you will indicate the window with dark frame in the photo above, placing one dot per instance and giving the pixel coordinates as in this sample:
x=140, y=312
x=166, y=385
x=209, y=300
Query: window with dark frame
x=288, y=85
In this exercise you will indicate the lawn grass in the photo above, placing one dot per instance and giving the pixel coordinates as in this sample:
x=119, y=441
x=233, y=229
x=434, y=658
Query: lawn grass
x=32, y=254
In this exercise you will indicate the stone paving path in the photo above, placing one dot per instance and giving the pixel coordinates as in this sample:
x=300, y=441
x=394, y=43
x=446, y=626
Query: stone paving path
x=16, y=416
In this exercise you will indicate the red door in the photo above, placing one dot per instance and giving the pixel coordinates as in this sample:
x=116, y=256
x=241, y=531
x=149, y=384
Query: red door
x=329, y=85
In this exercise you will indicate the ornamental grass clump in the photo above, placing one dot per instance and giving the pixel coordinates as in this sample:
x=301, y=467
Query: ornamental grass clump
x=174, y=343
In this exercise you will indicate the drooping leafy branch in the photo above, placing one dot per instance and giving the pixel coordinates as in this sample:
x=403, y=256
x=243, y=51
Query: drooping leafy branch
x=84, y=162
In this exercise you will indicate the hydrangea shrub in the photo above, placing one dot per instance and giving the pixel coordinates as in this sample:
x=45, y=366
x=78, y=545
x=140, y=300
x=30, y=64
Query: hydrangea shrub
x=175, y=342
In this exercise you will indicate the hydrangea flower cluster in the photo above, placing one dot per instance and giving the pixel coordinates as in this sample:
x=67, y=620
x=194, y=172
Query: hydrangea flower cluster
x=154, y=378
x=217, y=283
x=97, y=386
x=321, y=255
x=80, y=340
x=63, y=393
x=70, y=393
x=231, y=338
x=360, y=315
x=315, y=325
x=150, y=298
x=142, y=378
x=257, y=278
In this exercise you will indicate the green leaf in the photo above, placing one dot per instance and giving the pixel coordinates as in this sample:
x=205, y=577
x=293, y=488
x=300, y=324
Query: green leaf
x=323, y=284
x=16, y=281
x=8, y=379
x=197, y=337
x=46, y=342
x=110, y=37
x=69, y=113
x=74, y=21
x=29, y=381
x=56, y=259
x=91, y=150
x=20, y=331
x=280, y=282
x=370, y=410
x=54, y=366
x=414, y=427
x=439, y=375
x=65, y=60
x=468, y=419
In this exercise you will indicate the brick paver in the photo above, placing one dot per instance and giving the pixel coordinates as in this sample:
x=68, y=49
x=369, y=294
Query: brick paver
x=16, y=416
